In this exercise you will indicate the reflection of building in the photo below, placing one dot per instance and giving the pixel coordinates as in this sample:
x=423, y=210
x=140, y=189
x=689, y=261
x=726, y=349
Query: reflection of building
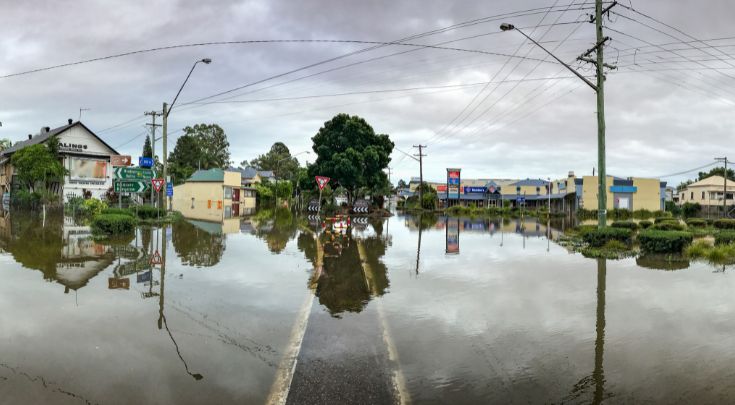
x=84, y=155
x=213, y=195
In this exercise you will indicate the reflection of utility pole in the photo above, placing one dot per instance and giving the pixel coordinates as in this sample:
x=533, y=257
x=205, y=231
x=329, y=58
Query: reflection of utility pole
x=599, y=375
x=421, y=173
x=418, y=250
x=161, y=317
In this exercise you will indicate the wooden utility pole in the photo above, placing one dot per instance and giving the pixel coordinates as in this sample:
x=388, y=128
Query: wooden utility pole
x=153, y=126
x=602, y=200
x=421, y=173
x=165, y=149
x=724, y=187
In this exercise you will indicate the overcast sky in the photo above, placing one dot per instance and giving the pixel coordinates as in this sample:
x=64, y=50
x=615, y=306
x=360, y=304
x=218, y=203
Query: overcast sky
x=539, y=122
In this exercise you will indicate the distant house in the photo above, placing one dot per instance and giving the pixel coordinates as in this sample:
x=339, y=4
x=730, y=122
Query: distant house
x=708, y=192
x=213, y=195
x=84, y=154
x=251, y=176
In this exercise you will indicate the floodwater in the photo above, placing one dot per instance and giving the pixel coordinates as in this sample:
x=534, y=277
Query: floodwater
x=274, y=309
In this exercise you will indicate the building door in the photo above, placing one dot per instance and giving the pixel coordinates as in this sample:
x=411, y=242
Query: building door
x=235, y=210
x=624, y=203
x=236, y=194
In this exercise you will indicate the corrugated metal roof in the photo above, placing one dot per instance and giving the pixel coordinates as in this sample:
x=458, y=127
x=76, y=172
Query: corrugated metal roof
x=211, y=175
x=43, y=137
x=531, y=182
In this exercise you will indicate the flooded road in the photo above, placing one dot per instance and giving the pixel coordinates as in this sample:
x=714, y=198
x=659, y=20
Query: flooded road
x=274, y=309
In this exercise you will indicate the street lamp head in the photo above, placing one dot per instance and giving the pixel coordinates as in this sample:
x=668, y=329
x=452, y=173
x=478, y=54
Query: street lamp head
x=507, y=27
x=207, y=60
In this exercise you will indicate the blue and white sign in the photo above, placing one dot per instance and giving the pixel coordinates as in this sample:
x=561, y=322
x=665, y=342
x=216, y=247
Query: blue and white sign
x=145, y=162
x=480, y=190
x=169, y=190
x=144, y=277
x=521, y=199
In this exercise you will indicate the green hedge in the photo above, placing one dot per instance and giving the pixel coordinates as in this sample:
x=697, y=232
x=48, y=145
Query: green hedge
x=149, y=212
x=625, y=224
x=658, y=220
x=642, y=214
x=724, y=237
x=669, y=226
x=725, y=224
x=112, y=224
x=658, y=241
x=696, y=222
x=645, y=224
x=599, y=237
x=117, y=211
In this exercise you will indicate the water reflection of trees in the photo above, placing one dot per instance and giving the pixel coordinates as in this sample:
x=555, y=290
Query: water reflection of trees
x=35, y=244
x=196, y=246
x=276, y=227
x=348, y=270
x=662, y=261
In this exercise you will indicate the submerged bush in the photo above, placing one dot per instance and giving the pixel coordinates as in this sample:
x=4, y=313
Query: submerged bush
x=599, y=237
x=112, y=224
x=696, y=222
x=719, y=254
x=625, y=224
x=149, y=212
x=724, y=237
x=118, y=211
x=669, y=226
x=725, y=223
x=645, y=224
x=660, y=241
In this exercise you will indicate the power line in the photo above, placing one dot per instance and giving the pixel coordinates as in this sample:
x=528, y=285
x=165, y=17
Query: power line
x=686, y=171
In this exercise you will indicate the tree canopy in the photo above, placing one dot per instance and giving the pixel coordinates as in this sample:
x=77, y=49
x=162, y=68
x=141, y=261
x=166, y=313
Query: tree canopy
x=351, y=153
x=38, y=165
x=202, y=146
x=717, y=171
x=5, y=144
x=278, y=159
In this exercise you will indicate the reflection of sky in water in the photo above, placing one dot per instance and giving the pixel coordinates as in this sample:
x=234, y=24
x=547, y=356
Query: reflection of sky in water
x=511, y=318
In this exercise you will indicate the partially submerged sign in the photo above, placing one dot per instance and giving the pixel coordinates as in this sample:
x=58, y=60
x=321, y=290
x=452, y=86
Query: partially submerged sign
x=361, y=206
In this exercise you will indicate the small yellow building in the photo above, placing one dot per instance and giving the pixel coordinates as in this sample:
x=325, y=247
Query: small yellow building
x=708, y=192
x=632, y=193
x=213, y=195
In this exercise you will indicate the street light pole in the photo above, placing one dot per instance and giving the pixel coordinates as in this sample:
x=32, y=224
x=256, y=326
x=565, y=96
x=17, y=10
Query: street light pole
x=600, y=90
x=166, y=112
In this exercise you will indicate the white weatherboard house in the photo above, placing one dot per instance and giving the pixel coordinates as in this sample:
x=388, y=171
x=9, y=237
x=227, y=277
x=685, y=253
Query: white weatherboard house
x=84, y=154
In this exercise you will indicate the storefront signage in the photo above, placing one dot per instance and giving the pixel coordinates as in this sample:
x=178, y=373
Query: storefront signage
x=72, y=147
x=452, y=236
x=453, y=181
x=481, y=190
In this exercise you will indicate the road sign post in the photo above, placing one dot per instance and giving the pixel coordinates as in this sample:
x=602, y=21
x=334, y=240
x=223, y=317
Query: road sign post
x=321, y=181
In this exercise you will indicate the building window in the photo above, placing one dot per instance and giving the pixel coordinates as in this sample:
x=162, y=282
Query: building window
x=703, y=195
x=691, y=197
x=228, y=212
x=518, y=189
x=192, y=202
x=538, y=190
x=228, y=193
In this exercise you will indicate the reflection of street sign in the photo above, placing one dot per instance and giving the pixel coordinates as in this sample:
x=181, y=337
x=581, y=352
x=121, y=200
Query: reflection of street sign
x=321, y=181
x=120, y=160
x=169, y=190
x=132, y=173
x=130, y=186
x=144, y=277
x=156, y=259
x=118, y=283
x=521, y=199
x=157, y=184
x=145, y=162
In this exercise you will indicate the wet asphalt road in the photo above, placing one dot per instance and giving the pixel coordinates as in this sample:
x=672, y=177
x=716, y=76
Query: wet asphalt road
x=343, y=361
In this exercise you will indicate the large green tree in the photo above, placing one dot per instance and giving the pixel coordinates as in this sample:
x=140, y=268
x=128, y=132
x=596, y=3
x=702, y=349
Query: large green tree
x=278, y=159
x=717, y=171
x=147, y=149
x=202, y=146
x=38, y=165
x=351, y=153
x=5, y=144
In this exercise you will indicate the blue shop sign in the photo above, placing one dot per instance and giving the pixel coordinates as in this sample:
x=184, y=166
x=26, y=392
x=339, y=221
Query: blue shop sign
x=480, y=190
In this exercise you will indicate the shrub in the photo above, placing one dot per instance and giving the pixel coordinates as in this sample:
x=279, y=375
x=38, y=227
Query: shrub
x=724, y=223
x=642, y=214
x=112, y=224
x=599, y=237
x=92, y=207
x=645, y=224
x=696, y=222
x=690, y=209
x=665, y=219
x=620, y=213
x=663, y=214
x=615, y=245
x=118, y=211
x=724, y=237
x=669, y=226
x=148, y=212
x=698, y=249
x=625, y=224
x=660, y=241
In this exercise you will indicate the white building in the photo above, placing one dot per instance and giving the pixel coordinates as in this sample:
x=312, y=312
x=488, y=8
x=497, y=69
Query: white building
x=84, y=154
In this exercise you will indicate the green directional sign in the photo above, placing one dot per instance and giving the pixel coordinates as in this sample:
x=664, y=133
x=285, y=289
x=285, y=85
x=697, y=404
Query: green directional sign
x=133, y=173
x=122, y=186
